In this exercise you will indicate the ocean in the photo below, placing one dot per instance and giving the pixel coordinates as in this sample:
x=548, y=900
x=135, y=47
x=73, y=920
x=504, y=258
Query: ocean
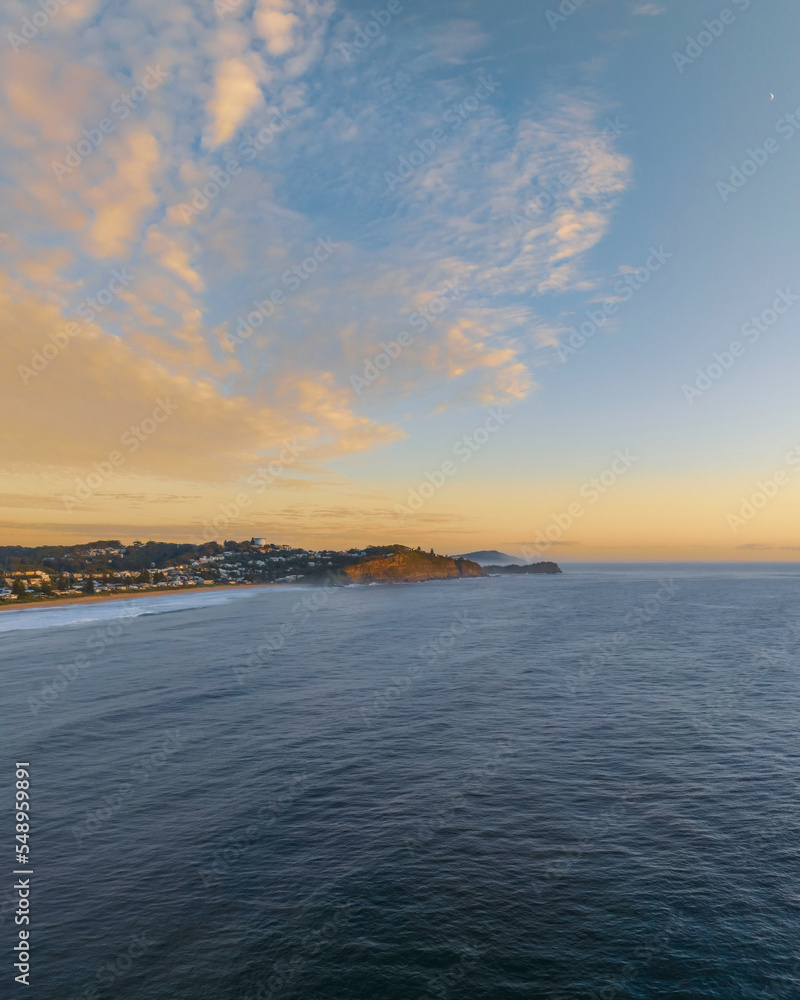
x=575, y=786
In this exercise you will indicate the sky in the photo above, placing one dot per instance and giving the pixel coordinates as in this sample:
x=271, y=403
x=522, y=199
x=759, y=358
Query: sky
x=460, y=275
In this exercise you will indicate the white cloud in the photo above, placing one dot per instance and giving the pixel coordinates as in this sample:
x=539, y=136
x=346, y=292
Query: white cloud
x=121, y=202
x=277, y=24
x=322, y=175
x=236, y=95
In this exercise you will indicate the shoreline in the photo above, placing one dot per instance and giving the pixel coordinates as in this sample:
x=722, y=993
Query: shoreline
x=57, y=602
x=101, y=598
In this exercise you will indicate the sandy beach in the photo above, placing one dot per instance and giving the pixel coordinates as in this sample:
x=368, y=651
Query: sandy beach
x=122, y=596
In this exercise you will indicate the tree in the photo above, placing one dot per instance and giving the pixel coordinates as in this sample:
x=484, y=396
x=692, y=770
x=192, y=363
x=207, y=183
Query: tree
x=143, y=577
x=159, y=577
x=47, y=588
x=62, y=583
x=18, y=587
x=88, y=586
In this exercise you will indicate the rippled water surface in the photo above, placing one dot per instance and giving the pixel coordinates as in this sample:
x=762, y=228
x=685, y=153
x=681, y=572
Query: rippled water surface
x=549, y=787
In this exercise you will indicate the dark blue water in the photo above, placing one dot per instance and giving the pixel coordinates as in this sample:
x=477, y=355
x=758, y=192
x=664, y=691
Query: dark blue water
x=546, y=787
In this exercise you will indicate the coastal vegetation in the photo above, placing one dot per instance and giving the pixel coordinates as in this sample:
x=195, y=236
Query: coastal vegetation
x=107, y=567
x=402, y=565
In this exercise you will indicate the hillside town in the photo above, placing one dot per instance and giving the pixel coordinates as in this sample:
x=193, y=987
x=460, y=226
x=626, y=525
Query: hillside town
x=110, y=567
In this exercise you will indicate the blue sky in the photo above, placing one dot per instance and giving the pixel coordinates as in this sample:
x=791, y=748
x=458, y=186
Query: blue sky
x=496, y=104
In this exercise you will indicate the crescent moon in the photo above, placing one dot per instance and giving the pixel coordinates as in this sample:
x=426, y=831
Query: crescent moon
x=772, y=97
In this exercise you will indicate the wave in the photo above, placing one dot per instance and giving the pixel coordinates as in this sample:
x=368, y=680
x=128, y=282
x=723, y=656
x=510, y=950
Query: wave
x=16, y=619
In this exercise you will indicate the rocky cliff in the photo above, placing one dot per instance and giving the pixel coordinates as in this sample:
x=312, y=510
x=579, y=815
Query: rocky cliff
x=409, y=566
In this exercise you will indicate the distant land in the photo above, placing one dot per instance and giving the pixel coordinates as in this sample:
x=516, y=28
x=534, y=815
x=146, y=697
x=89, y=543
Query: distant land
x=491, y=557
x=109, y=567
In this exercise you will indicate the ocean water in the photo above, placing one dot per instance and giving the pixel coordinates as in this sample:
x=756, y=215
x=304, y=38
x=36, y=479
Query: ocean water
x=582, y=786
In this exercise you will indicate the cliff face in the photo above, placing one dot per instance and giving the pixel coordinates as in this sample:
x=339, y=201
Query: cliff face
x=409, y=566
